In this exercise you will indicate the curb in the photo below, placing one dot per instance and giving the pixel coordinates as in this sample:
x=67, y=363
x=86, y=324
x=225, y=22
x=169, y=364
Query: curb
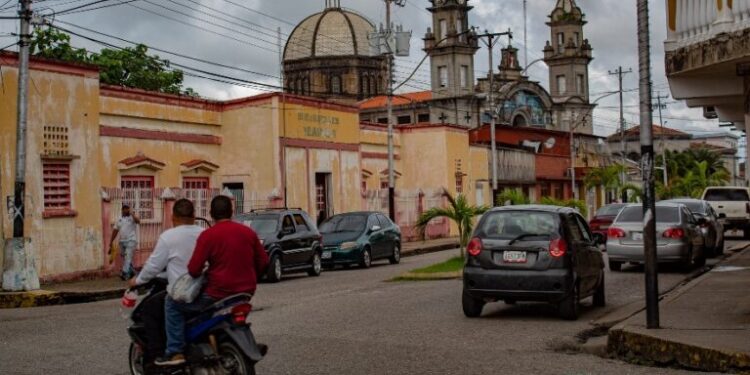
x=428, y=250
x=35, y=298
x=639, y=347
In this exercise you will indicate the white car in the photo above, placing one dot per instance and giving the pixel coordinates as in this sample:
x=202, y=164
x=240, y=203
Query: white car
x=732, y=204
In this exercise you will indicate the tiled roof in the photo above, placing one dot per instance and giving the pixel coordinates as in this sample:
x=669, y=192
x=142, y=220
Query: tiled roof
x=400, y=99
x=657, y=130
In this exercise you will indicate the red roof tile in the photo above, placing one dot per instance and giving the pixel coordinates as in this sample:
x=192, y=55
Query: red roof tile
x=400, y=99
x=657, y=130
x=140, y=158
x=196, y=162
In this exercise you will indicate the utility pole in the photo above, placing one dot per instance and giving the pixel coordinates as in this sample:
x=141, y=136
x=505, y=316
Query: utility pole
x=492, y=39
x=19, y=270
x=623, y=145
x=647, y=165
x=573, y=155
x=389, y=104
x=661, y=106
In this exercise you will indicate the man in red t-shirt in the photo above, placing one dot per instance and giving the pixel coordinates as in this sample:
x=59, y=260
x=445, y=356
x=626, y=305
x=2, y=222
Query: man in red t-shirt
x=235, y=257
x=233, y=252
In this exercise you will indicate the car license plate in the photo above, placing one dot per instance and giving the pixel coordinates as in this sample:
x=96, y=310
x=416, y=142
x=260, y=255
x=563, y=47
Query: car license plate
x=514, y=256
x=637, y=236
x=326, y=255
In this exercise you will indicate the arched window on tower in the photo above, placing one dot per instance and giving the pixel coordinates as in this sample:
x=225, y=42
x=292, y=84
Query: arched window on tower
x=379, y=85
x=297, y=86
x=336, y=85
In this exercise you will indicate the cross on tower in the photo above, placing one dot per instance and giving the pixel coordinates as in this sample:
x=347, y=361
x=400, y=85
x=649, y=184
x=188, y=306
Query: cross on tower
x=333, y=3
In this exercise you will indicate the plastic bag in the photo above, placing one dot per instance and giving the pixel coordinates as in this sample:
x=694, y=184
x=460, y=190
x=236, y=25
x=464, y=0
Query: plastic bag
x=129, y=299
x=186, y=288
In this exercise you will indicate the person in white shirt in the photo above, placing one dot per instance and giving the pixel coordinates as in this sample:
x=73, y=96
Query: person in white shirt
x=126, y=227
x=172, y=254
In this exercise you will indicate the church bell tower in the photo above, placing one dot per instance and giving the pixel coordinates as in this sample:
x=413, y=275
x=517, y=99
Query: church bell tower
x=451, y=46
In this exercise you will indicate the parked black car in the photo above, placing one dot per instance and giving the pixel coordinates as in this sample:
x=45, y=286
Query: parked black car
x=533, y=253
x=360, y=238
x=291, y=239
x=711, y=226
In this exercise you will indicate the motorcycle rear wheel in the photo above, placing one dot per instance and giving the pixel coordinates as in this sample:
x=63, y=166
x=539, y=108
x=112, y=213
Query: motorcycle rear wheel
x=234, y=361
x=135, y=359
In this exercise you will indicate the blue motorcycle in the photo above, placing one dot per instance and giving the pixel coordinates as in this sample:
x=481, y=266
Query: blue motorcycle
x=219, y=339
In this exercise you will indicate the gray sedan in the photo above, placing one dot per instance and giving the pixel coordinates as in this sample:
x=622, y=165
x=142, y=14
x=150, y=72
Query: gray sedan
x=679, y=237
x=711, y=227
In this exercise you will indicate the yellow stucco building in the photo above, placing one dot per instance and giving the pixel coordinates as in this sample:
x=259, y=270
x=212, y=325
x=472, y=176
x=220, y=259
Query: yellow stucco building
x=92, y=147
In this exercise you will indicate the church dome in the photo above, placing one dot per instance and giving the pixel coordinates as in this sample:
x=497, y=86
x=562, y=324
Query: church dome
x=333, y=32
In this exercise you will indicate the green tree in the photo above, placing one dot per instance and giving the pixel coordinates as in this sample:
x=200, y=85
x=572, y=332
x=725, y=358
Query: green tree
x=513, y=196
x=459, y=211
x=128, y=67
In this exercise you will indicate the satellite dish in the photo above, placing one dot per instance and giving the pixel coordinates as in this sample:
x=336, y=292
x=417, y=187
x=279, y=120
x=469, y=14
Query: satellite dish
x=550, y=143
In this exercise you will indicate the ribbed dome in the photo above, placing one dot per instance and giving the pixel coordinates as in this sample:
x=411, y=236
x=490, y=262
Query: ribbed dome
x=333, y=32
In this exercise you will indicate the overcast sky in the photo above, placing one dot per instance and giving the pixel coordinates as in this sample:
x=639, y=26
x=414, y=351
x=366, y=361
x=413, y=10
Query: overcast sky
x=241, y=33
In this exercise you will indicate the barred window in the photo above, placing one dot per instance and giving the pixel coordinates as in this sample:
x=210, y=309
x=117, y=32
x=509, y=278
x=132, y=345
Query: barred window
x=138, y=193
x=56, y=186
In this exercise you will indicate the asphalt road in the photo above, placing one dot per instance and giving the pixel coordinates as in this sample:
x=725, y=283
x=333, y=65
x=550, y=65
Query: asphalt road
x=346, y=322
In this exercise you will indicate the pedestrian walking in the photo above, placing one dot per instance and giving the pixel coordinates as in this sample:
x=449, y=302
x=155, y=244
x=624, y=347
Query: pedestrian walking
x=126, y=226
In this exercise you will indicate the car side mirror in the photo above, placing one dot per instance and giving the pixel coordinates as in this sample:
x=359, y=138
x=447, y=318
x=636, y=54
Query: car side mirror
x=375, y=228
x=702, y=221
x=722, y=216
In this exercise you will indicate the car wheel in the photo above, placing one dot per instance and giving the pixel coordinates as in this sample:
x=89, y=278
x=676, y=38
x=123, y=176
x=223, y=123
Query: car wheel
x=615, y=266
x=746, y=232
x=366, y=259
x=687, y=264
x=472, y=306
x=396, y=256
x=719, y=251
x=569, y=306
x=274, y=269
x=316, y=265
x=701, y=260
x=600, y=298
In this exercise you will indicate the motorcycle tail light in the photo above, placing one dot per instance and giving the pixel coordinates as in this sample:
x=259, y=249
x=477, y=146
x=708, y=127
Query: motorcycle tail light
x=240, y=313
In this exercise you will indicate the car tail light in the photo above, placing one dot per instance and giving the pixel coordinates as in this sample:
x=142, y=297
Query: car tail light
x=475, y=247
x=240, y=313
x=615, y=233
x=558, y=247
x=675, y=233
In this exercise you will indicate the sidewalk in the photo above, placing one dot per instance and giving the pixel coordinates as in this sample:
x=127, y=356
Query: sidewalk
x=100, y=289
x=705, y=324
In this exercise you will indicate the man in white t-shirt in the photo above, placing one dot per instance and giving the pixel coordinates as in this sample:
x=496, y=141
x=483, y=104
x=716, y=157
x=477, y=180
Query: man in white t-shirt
x=126, y=226
x=172, y=254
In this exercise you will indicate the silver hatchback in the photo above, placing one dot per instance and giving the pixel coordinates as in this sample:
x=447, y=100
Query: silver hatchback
x=679, y=237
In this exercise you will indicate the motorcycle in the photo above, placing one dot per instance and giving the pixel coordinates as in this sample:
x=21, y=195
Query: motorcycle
x=219, y=339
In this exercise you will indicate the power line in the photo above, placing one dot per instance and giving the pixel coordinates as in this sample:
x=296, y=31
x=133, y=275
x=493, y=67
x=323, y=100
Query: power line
x=163, y=50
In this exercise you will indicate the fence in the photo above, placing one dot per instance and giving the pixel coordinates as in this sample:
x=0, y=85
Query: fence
x=409, y=205
x=153, y=207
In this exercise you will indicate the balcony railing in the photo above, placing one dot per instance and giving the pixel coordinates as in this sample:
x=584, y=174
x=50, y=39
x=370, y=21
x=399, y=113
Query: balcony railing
x=694, y=21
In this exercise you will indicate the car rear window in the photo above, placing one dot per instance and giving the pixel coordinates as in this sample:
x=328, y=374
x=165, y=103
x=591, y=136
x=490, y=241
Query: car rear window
x=610, y=210
x=511, y=224
x=344, y=223
x=664, y=214
x=694, y=207
x=726, y=195
x=265, y=224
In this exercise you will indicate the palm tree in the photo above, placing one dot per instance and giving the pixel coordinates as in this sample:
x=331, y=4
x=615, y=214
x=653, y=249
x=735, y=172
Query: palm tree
x=513, y=196
x=460, y=211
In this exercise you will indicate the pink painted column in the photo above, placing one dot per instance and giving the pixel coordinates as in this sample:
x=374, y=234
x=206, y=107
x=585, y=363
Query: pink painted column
x=106, y=230
x=168, y=199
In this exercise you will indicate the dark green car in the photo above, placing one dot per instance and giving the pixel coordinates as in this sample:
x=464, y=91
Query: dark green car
x=360, y=238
